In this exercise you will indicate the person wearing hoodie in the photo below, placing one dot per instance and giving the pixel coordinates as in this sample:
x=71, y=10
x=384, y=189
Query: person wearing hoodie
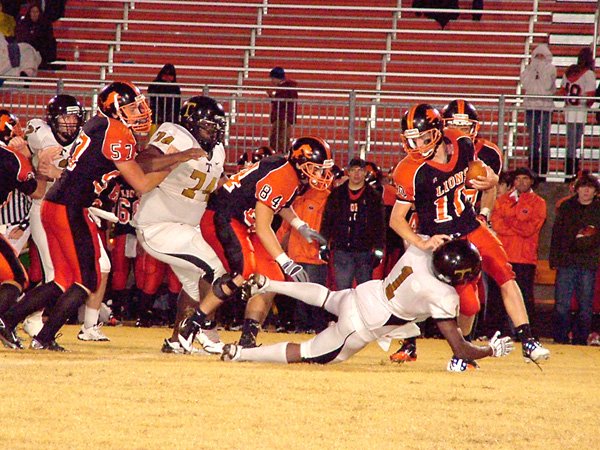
x=283, y=109
x=578, y=81
x=166, y=103
x=539, y=79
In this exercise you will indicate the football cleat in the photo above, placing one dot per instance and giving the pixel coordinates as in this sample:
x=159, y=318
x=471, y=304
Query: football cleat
x=593, y=339
x=186, y=333
x=210, y=341
x=533, y=351
x=172, y=347
x=255, y=284
x=9, y=337
x=231, y=352
x=461, y=365
x=247, y=341
x=92, y=334
x=52, y=346
x=406, y=353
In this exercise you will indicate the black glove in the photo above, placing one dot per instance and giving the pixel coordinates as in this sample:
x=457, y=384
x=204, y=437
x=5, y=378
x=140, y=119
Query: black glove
x=324, y=253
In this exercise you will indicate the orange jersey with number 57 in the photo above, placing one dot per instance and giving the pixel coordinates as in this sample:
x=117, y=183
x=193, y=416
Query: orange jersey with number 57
x=91, y=165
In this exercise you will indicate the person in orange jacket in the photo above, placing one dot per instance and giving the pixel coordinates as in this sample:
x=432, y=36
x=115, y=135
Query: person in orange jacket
x=517, y=219
x=309, y=207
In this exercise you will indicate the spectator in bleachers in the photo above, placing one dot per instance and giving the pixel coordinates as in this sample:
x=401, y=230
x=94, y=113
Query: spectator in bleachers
x=37, y=31
x=53, y=9
x=477, y=4
x=283, y=109
x=12, y=7
x=167, y=103
x=439, y=17
x=579, y=80
x=574, y=252
x=539, y=78
x=23, y=63
x=7, y=23
x=517, y=219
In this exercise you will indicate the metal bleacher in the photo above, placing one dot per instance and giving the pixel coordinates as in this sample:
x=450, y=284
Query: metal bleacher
x=358, y=66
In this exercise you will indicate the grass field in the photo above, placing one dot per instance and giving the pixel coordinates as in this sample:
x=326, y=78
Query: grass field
x=125, y=394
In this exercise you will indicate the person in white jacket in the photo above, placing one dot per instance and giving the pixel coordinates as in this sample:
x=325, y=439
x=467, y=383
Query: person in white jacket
x=539, y=79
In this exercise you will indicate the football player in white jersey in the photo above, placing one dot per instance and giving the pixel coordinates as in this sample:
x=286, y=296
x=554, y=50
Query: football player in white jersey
x=168, y=217
x=50, y=142
x=418, y=287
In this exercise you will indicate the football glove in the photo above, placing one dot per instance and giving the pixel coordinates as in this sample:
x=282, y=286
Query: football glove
x=311, y=235
x=501, y=346
x=324, y=253
x=295, y=271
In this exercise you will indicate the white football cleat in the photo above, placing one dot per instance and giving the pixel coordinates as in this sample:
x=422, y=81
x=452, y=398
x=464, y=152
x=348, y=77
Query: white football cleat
x=92, y=334
x=533, y=351
x=210, y=341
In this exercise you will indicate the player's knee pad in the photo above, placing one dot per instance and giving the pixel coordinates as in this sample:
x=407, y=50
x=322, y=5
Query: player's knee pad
x=225, y=280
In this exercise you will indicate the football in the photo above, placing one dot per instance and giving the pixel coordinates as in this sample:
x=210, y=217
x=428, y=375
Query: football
x=475, y=169
x=587, y=231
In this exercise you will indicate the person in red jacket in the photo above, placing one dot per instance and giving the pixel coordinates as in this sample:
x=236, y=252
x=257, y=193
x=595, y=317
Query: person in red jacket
x=517, y=219
x=309, y=207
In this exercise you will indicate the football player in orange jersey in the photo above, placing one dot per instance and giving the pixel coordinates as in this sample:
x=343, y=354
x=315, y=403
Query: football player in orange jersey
x=432, y=178
x=237, y=225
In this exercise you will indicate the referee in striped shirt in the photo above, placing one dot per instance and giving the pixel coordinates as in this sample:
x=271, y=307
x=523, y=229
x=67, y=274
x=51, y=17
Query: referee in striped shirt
x=14, y=220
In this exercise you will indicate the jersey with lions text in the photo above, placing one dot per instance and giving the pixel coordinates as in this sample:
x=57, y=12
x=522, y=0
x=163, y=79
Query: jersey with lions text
x=272, y=181
x=182, y=196
x=91, y=166
x=442, y=201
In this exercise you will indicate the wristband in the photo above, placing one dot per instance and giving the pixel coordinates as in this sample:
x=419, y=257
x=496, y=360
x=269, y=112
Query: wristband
x=282, y=259
x=297, y=222
x=485, y=212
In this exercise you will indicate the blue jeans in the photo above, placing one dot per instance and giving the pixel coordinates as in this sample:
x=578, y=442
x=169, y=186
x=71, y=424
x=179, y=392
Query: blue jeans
x=580, y=281
x=350, y=265
x=538, y=124
x=574, y=133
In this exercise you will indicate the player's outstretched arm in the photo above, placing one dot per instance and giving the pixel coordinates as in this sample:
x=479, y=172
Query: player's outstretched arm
x=461, y=348
x=153, y=160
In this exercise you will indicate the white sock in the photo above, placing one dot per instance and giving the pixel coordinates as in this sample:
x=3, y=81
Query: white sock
x=91, y=317
x=269, y=353
x=309, y=293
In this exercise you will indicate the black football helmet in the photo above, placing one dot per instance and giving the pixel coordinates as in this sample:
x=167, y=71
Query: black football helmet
x=123, y=101
x=462, y=115
x=58, y=111
x=312, y=159
x=421, y=131
x=250, y=157
x=456, y=262
x=204, y=117
x=9, y=126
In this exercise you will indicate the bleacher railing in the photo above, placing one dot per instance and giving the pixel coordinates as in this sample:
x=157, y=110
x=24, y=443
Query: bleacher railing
x=355, y=125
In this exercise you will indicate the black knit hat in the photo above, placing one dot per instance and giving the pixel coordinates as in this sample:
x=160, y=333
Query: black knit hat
x=277, y=72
